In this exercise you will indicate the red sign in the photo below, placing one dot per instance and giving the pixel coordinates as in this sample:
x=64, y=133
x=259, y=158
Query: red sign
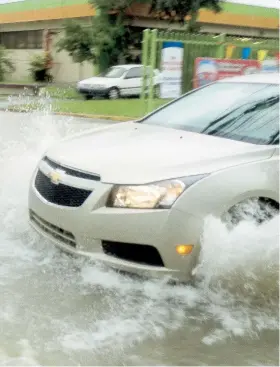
x=208, y=70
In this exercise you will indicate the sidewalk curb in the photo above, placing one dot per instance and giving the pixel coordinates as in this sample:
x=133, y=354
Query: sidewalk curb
x=97, y=117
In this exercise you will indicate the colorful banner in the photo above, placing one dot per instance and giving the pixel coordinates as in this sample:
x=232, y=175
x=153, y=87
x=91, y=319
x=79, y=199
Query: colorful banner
x=246, y=52
x=229, y=51
x=208, y=70
x=262, y=54
x=171, y=69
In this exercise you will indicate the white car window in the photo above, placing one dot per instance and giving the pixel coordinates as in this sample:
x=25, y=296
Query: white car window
x=238, y=111
x=134, y=73
x=114, y=72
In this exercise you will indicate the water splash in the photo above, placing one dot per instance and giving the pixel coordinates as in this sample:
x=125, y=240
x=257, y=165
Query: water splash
x=243, y=261
x=25, y=355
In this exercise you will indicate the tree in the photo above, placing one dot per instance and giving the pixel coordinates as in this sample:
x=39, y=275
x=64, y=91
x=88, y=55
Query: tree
x=77, y=41
x=40, y=66
x=108, y=38
x=6, y=65
x=177, y=10
x=110, y=31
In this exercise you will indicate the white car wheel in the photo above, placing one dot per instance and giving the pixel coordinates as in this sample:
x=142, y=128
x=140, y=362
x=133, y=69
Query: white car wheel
x=114, y=93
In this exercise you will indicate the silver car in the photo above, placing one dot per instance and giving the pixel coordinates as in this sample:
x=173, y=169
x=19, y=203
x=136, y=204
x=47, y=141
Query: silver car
x=134, y=195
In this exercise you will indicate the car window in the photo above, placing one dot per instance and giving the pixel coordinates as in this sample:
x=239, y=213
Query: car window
x=135, y=73
x=149, y=70
x=114, y=72
x=238, y=111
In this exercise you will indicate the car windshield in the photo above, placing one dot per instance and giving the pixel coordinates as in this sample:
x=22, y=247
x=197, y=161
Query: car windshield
x=114, y=72
x=238, y=111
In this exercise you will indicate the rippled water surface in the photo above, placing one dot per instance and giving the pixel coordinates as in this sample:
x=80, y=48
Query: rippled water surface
x=56, y=310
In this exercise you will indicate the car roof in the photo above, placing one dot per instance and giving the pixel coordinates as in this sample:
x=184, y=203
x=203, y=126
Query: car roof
x=267, y=78
x=128, y=66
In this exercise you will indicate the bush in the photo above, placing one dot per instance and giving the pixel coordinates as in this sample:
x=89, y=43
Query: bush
x=6, y=65
x=40, y=66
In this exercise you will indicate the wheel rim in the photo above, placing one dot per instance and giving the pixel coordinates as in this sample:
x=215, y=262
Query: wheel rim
x=113, y=94
x=157, y=91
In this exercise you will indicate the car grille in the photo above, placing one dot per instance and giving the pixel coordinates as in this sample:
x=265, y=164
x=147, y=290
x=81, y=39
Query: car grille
x=57, y=233
x=142, y=254
x=71, y=171
x=60, y=194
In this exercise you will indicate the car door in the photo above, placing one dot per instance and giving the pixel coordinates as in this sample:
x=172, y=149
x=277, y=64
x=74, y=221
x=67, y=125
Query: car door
x=131, y=84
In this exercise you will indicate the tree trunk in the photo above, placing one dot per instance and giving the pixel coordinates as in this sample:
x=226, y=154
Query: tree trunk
x=194, y=15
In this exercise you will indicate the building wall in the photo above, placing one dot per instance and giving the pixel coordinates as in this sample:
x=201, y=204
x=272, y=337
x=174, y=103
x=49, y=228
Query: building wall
x=232, y=14
x=21, y=61
x=64, y=69
x=209, y=28
x=35, y=10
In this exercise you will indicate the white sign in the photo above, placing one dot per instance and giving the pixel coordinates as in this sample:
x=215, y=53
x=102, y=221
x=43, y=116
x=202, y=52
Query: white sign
x=9, y=1
x=270, y=66
x=171, y=69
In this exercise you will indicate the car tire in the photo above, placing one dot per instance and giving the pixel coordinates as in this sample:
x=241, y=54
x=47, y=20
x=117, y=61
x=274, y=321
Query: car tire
x=87, y=97
x=114, y=93
x=156, y=91
x=256, y=210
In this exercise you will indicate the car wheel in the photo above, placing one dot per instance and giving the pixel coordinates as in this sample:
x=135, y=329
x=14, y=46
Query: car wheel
x=156, y=91
x=256, y=210
x=114, y=93
x=87, y=97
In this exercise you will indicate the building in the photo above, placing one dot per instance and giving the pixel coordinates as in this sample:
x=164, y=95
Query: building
x=24, y=24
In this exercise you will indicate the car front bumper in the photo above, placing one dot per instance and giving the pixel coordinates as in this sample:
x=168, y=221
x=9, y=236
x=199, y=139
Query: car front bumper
x=85, y=230
x=96, y=92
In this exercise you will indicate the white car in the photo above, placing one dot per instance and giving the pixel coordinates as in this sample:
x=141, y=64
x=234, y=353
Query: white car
x=118, y=81
x=135, y=195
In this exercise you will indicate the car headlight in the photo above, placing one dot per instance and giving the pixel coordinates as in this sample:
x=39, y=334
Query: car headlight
x=161, y=195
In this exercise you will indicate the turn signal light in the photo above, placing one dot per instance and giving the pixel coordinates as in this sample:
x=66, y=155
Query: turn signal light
x=184, y=249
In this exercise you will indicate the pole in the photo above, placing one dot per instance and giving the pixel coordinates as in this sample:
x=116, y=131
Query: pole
x=153, y=60
x=221, y=47
x=145, y=48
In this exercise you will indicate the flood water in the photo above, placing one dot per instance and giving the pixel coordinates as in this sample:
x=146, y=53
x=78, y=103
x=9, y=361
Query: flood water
x=56, y=310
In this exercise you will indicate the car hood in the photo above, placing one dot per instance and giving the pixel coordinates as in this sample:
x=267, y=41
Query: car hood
x=134, y=153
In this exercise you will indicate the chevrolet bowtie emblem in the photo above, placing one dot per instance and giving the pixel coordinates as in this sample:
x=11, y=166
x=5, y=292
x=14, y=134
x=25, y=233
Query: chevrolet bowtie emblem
x=55, y=176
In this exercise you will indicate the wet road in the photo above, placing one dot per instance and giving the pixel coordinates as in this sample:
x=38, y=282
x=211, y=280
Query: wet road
x=56, y=310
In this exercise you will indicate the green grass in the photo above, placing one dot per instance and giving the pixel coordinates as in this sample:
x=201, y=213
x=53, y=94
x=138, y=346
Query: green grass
x=63, y=92
x=121, y=108
x=19, y=82
x=54, y=91
x=68, y=100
